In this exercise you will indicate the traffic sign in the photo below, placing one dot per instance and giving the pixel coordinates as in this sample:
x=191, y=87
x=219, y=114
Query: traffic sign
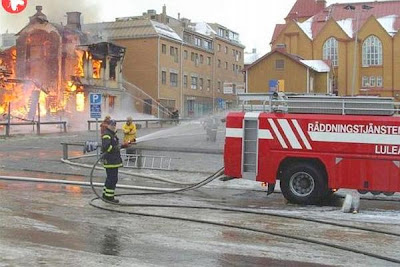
x=95, y=106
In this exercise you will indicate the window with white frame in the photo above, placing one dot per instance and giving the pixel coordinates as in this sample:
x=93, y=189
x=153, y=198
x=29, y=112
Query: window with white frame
x=372, y=51
x=330, y=51
x=197, y=41
x=372, y=81
x=365, y=81
x=379, y=81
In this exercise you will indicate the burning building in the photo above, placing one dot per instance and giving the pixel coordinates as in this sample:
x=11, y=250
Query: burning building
x=56, y=66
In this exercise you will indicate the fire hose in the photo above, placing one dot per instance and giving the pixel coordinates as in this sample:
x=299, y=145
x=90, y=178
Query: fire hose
x=207, y=180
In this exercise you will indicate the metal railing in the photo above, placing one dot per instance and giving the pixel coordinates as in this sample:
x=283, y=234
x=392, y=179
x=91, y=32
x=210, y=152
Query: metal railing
x=159, y=122
x=306, y=104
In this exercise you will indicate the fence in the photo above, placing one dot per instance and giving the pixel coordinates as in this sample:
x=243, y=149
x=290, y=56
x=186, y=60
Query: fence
x=159, y=122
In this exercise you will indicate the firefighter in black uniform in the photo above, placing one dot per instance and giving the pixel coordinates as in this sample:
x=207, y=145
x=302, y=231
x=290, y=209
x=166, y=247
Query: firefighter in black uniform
x=112, y=160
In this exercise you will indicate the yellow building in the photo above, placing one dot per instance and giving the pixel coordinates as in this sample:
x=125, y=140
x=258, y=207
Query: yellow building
x=283, y=72
x=367, y=67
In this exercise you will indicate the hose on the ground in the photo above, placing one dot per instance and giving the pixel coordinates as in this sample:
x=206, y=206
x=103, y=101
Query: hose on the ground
x=208, y=180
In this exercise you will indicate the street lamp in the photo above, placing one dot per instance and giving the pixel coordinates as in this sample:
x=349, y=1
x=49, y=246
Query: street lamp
x=357, y=18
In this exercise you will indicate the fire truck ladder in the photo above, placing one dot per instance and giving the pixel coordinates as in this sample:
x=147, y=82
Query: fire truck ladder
x=319, y=104
x=250, y=145
x=139, y=161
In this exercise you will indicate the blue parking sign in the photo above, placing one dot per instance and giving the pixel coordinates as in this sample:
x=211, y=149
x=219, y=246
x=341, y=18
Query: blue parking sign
x=95, y=99
x=95, y=106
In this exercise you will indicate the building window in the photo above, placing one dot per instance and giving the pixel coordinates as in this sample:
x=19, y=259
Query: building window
x=372, y=52
x=208, y=84
x=208, y=45
x=185, y=54
x=164, y=49
x=330, y=51
x=221, y=32
x=219, y=86
x=226, y=50
x=176, y=55
x=197, y=41
x=279, y=64
x=226, y=65
x=173, y=79
x=208, y=60
x=219, y=48
x=201, y=59
x=379, y=81
x=172, y=51
x=193, y=56
x=201, y=83
x=372, y=81
x=233, y=67
x=164, y=77
x=365, y=81
x=194, y=82
x=185, y=81
x=219, y=63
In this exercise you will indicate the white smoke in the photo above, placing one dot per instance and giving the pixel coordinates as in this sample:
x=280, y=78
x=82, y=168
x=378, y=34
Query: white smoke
x=55, y=10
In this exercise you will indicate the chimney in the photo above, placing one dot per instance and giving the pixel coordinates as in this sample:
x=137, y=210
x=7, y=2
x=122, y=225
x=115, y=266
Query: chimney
x=74, y=20
x=254, y=51
x=39, y=16
x=164, y=14
x=179, y=16
x=321, y=4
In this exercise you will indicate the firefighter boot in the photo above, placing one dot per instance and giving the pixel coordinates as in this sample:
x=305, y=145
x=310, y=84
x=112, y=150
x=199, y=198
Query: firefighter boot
x=110, y=199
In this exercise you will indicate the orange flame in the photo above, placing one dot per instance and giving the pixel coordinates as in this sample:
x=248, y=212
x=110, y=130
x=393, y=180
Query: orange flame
x=80, y=101
x=79, y=66
x=96, y=68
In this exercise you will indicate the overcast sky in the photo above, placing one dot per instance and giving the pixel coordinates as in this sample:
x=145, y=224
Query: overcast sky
x=254, y=20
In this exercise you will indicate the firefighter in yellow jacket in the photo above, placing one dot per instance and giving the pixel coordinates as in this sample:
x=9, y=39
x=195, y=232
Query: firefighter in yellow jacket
x=129, y=129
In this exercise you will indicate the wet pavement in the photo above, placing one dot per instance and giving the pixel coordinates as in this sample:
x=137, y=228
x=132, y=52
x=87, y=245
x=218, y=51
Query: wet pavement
x=54, y=225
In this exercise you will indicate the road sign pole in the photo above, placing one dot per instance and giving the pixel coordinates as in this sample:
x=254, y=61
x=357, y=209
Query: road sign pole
x=97, y=135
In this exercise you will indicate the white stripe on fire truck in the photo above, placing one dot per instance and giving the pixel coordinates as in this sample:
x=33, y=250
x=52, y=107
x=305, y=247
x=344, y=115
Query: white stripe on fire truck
x=302, y=135
x=234, y=132
x=277, y=133
x=287, y=130
x=376, y=139
x=264, y=134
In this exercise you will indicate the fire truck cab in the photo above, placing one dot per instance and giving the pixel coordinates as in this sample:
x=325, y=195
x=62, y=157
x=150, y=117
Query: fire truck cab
x=315, y=144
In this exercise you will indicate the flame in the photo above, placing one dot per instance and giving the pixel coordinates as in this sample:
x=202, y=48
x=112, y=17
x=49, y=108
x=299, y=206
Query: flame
x=71, y=87
x=79, y=66
x=80, y=101
x=42, y=103
x=96, y=68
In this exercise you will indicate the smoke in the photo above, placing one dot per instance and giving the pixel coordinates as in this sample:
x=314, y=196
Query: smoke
x=55, y=10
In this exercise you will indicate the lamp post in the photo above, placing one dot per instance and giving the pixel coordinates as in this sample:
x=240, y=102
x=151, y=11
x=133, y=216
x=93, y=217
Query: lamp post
x=357, y=18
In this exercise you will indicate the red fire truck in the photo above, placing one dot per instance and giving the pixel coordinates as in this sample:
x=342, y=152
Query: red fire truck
x=315, y=144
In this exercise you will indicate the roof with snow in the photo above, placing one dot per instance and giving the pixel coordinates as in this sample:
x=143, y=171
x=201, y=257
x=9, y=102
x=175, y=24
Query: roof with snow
x=123, y=29
x=386, y=12
x=250, y=58
x=202, y=28
x=317, y=65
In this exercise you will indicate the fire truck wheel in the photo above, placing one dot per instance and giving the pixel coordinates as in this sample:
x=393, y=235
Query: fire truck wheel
x=304, y=183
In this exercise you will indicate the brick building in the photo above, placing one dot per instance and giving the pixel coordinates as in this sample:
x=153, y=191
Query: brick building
x=194, y=67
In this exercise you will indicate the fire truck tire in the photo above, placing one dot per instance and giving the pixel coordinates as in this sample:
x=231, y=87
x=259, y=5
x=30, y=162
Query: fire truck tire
x=304, y=183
